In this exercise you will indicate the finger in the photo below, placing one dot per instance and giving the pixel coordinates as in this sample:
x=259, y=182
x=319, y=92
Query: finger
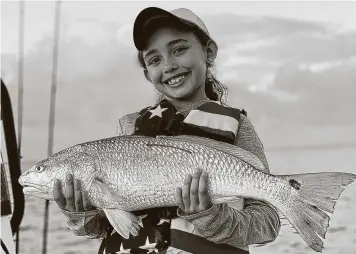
x=78, y=196
x=69, y=193
x=186, y=192
x=87, y=206
x=203, y=193
x=179, y=198
x=57, y=194
x=194, y=187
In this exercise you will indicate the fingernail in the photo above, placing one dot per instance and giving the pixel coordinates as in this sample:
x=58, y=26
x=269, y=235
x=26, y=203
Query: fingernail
x=187, y=177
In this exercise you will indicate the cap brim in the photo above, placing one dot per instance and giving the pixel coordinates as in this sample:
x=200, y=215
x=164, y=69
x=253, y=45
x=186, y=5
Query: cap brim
x=144, y=18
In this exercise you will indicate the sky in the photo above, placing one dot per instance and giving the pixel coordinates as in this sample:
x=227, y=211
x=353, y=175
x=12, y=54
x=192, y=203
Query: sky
x=39, y=14
x=291, y=65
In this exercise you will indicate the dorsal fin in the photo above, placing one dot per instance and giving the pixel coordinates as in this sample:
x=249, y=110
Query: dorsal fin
x=233, y=150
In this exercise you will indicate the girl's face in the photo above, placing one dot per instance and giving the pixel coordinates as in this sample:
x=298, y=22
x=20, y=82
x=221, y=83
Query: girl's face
x=176, y=63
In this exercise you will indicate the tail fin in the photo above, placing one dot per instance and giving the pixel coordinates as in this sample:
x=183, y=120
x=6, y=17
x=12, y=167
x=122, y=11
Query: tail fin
x=315, y=192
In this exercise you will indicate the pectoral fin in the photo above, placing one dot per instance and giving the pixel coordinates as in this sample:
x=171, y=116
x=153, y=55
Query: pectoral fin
x=124, y=223
x=104, y=190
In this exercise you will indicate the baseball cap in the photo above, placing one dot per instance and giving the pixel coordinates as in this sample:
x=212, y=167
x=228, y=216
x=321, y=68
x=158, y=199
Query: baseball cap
x=142, y=29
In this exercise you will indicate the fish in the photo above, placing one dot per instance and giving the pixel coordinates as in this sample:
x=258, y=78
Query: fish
x=123, y=174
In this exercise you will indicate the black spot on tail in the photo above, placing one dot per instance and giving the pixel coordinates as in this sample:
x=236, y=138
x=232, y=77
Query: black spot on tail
x=294, y=184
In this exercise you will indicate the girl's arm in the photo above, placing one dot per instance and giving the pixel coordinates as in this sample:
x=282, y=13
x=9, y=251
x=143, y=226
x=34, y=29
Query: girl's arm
x=257, y=223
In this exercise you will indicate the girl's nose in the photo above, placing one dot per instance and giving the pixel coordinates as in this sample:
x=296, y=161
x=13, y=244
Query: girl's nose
x=170, y=66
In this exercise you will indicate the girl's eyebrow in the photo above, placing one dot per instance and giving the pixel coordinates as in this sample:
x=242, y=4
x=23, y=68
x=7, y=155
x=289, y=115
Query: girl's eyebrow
x=175, y=42
x=152, y=51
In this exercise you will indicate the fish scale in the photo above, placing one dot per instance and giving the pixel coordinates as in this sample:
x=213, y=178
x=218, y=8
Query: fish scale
x=150, y=172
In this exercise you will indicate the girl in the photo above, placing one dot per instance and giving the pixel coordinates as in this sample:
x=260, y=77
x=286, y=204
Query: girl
x=176, y=53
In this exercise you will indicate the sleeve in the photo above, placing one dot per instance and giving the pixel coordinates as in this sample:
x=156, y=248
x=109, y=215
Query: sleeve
x=256, y=223
x=93, y=223
x=126, y=124
x=119, y=129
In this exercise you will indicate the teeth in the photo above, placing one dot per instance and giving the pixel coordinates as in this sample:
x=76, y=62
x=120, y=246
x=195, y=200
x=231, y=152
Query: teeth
x=175, y=80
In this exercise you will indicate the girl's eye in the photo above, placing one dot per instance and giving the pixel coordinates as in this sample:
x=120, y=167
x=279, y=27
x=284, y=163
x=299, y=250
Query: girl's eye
x=154, y=60
x=39, y=169
x=179, y=50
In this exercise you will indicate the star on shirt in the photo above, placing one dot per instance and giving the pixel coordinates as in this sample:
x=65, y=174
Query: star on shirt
x=157, y=111
x=161, y=221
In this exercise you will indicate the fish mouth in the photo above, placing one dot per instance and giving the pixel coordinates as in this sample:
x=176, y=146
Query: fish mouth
x=29, y=188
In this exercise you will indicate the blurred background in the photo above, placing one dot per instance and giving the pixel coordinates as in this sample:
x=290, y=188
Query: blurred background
x=290, y=65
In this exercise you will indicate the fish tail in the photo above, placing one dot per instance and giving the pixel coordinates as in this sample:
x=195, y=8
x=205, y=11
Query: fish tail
x=315, y=193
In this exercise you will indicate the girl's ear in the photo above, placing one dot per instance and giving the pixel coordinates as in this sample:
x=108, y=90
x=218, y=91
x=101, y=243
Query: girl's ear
x=146, y=74
x=211, y=50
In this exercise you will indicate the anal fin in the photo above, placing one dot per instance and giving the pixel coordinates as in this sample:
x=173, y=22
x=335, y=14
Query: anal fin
x=236, y=203
x=224, y=199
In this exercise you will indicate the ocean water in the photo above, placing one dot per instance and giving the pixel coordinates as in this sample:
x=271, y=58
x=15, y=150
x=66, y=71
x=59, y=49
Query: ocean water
x=340, y=238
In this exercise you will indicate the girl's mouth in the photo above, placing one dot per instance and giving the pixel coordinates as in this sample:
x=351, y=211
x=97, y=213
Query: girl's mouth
x=177, y=81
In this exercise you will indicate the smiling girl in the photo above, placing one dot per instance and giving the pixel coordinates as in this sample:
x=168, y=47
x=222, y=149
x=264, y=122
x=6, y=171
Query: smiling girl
x=176, y=53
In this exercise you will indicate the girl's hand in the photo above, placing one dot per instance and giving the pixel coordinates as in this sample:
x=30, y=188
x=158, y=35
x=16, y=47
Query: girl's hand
x=194, y=196
x=73, y=200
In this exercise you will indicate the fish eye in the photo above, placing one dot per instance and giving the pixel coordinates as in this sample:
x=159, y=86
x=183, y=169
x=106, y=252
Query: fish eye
x=39, y=169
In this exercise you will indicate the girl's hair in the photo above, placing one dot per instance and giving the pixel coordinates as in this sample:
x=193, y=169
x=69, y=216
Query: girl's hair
x=214, y=90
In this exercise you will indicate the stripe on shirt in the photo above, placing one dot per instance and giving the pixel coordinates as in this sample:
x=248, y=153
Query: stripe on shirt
x=213, y=121
x=199, y=245
x=215, y=107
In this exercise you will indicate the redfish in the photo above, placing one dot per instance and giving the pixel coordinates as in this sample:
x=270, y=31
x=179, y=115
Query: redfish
x=128, y=173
